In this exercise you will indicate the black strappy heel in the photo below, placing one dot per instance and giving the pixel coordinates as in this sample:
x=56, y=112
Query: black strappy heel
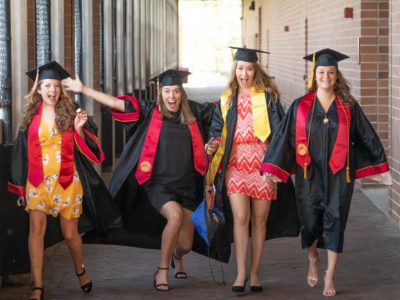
x=87, y=287
x=178, y=275
x=41, y=289
x=157, y=286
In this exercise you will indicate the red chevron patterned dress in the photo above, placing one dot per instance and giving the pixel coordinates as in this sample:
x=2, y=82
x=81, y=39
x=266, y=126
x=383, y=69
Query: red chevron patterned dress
x=243, y=173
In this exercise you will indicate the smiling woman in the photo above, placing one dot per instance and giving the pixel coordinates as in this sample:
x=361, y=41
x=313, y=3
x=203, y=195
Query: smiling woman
x=159, y=175
x=51, y=172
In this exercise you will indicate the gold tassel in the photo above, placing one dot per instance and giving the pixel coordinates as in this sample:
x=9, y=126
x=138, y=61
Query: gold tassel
x=233, y=55
x=348, y=174
x=310, y=81
x=305, y=171
x=29, y=97
x=158, y=90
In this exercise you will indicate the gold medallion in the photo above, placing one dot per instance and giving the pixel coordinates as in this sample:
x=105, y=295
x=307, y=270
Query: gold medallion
x=325, y=120
x=302, y=149
x=145, y=166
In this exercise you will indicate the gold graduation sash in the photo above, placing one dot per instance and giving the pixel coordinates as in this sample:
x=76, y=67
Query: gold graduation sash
x=261, y=127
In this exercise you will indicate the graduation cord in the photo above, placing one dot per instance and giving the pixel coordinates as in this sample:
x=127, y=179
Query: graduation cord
x=211, y=270
x=309, y=136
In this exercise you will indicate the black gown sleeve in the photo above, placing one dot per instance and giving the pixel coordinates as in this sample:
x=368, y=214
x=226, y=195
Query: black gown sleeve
x=275, y=114
x=217, y=123
x=19, y=165
x=280, y=157
x=370, y=158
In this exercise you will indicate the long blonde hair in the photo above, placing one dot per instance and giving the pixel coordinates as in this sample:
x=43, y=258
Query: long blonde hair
x=186, y=115
x=342, y=88
x=65, y=109
x=262, y=82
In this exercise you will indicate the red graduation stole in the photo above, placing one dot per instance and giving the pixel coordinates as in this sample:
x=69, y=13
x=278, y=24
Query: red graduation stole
x=146, y=160
x=35, y=163
x=340, y=151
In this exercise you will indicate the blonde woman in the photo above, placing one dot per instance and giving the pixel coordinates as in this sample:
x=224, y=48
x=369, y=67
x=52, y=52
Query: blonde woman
x=247, y=116
x=157, y=182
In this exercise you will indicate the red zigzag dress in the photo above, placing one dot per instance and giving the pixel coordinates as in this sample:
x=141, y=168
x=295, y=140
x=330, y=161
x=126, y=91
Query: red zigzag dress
x=243, y=173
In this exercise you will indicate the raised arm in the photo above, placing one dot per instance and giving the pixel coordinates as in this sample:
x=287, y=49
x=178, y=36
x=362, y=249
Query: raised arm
x=76, y=86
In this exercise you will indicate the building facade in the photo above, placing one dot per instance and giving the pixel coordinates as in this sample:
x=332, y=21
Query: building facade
x=115, y=45
x=365, y=30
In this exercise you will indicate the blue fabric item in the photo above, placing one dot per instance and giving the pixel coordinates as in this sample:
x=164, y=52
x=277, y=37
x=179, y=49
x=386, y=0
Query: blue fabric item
x=207, y=222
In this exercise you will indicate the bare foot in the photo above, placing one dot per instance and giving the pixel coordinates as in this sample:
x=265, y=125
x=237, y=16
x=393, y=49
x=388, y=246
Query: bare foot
x=240, y=281
x=254, y=280
x=329, y=288
x=312, y=277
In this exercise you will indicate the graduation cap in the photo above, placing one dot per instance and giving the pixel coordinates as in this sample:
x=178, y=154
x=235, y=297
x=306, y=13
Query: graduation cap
x=324, y=57
x=51, y=70
x=171, y=77
x=246, y=54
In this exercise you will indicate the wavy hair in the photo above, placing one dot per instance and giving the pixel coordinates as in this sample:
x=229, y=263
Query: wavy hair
x=186, y=115
x=262, y=82
x=65, y=109
x=342, y=88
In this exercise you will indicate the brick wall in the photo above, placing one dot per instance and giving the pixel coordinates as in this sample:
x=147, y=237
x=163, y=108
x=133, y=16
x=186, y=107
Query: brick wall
x=394, y=93
x=69, y=49
x=31, y=34
x=292, y=29
x=96, y=44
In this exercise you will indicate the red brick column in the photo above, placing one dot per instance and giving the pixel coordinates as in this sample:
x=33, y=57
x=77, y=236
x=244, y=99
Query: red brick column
x=394, y=108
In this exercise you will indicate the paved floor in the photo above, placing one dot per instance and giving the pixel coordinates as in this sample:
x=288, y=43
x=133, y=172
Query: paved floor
x=368, y=269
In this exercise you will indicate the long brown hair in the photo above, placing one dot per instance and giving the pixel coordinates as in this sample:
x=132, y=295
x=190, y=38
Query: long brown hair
x=342, y=88
x=186, y=115
x=262, y=82
x=65, y=109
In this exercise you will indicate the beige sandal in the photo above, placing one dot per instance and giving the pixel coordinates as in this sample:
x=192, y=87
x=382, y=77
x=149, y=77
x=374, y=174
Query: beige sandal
x=312, y=280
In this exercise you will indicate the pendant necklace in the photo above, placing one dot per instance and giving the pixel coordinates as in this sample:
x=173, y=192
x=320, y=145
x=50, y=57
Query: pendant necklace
x=325, y=120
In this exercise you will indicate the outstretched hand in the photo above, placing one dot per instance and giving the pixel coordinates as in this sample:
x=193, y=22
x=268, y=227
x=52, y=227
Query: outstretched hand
x=73, y=85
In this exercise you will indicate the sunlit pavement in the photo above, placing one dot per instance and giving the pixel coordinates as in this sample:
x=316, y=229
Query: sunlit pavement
x=369, y=268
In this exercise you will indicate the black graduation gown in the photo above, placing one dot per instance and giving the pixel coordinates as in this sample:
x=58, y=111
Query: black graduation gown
x=142, y=224
x=282, y=218
x=99, y=211
x=323, y=199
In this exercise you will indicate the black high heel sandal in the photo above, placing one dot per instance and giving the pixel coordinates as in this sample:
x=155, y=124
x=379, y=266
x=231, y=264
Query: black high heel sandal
x=178, y=275
x=87, y=287
x=157, y=286
x=41, y=289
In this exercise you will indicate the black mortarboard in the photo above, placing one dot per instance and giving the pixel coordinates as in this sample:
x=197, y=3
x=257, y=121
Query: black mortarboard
x=51, y=70
x=326, y=57
x=171, y=77
x=246, y=54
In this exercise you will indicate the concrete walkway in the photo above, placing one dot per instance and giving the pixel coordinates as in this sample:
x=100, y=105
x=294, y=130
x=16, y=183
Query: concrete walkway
x=369, y=268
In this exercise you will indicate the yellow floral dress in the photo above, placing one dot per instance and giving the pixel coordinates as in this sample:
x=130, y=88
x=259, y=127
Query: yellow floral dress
x=50, y=197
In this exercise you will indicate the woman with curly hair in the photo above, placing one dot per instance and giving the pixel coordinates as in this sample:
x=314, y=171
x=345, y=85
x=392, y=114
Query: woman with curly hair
x=327, y=142
x=51, y=171
x=247, y=116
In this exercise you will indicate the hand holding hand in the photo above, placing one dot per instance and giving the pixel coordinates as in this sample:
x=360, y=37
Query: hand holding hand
x=268, y=177
x=212, y=147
